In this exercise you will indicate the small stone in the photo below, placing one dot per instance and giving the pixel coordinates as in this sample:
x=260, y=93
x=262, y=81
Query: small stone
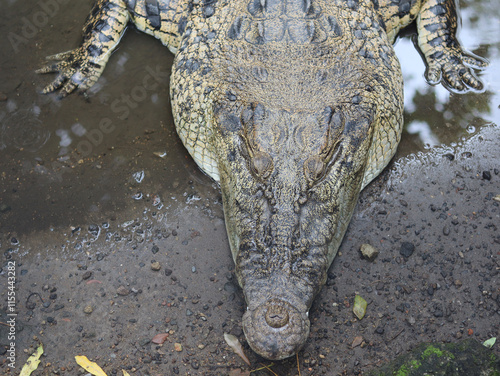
x=407, y=249
x=357, y=341
x=369, y=252
x=379, y=330
x=230, y=287
x=168, y=272
x=155, y=266
x=486, y=175
x=4, y=208
x=87, y=275
x=177, y=347
x=458, y=283
x=446, y=230
x=122, y=290
x=155, y=249
x=88, y=309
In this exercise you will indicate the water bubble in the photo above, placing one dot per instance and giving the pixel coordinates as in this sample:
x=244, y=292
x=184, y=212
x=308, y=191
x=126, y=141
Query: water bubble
x=138, y=176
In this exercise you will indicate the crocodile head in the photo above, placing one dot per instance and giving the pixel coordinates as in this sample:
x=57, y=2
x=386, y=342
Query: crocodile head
x=290, y=180
x=295, y=141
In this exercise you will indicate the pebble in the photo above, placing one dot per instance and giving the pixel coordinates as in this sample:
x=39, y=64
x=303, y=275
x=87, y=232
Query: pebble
x=407, y=249
x=379, y=330
x=446, y=230
x=155, y=266
x=486, y=175
x=87, y=275
x=4, y=208
x=230, y=287
x=88, y=309
x=177, y=347
x=369, y=252
x=168, y=272
x=155, y=249
x=122, y=290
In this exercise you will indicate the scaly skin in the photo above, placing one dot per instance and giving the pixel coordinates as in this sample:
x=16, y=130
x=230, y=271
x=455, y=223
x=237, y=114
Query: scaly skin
x=293, y=106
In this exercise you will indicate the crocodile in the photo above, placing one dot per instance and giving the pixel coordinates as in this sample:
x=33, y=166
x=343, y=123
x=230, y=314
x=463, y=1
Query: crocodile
x=293, y=106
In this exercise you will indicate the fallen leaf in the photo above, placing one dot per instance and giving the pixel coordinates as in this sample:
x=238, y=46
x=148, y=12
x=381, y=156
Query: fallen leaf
x=89, y=366
x=125, y=373
x=32, y=362
x=160, y=338
x=233, y=343
x=359, y=308
x=490, y=342
x=357, y=341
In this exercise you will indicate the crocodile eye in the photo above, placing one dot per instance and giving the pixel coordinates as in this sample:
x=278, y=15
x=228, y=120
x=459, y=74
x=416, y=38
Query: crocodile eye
x=314, y=168
x=262, y=164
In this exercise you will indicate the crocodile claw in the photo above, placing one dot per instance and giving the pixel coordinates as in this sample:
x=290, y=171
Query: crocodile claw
x=454, y=69
x=76, y=71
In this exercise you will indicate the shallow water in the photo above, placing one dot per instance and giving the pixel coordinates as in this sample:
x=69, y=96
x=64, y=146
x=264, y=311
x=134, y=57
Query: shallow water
x=77, y=161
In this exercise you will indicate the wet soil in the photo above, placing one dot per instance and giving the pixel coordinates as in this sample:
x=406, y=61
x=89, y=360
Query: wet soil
x=117, y=236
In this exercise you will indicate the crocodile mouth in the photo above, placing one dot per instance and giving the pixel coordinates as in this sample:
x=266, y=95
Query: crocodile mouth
x=276, y=329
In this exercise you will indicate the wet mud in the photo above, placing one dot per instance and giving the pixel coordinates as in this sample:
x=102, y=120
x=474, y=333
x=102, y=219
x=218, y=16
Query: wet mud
x=116, y=235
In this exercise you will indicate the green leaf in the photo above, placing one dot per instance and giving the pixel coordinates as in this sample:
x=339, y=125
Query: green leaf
x=490, y=342
x=359, y=308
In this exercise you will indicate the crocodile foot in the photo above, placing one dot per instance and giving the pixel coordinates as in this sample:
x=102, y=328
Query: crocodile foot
x=454, y=69
x=76, y=71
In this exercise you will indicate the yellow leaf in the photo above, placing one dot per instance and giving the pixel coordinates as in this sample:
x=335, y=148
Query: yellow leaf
x=92, y=367
x=125, y=373
x=32, y=362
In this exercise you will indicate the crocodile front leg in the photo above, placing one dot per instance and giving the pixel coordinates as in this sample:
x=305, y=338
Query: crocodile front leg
x=82, y=67
x=447, y=61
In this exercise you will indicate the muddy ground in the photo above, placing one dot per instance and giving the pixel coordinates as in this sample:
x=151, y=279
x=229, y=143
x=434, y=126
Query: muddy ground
x=117, y=236
x=100, y=296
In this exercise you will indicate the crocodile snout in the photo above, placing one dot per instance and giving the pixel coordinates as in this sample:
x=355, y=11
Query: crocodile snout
x=276, y=329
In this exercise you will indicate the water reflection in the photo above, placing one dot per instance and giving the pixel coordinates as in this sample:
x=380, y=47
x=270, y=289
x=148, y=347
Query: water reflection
x=433, y=115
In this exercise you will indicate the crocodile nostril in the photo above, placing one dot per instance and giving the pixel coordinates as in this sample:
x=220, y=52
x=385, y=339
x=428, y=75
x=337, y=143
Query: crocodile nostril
x=277, y=317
